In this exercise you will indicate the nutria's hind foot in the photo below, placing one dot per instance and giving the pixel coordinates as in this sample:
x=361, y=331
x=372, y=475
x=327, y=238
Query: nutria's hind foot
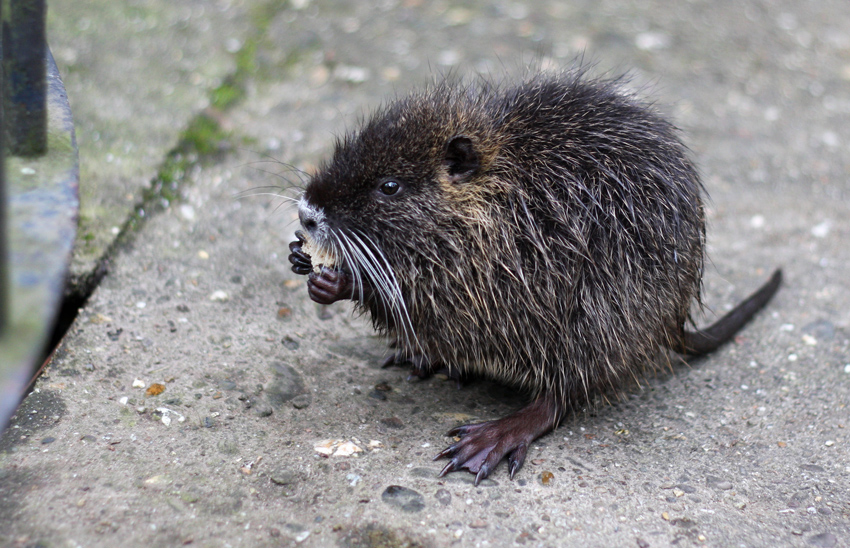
x=422, y=368
x=483, y=445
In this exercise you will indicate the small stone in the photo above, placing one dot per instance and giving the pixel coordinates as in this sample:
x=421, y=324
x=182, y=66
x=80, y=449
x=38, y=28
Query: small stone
x=717, y=483
x=47, y=440
x=546, y=477
x=407, y=500
x=262, y=409
x=139, y=383
x=821, y=230
x=302, y=401
x=650, y=41
x=392, y=422
x=189, y=498
x=829, y=443
x=443, y=497
x=823, y=540
x=219, y=296
x=89, y=439
x=203, y=255
x=283, y=477
x=380, y=396
x=665, y=516
x=642, y=543
x=347, y=449
x=290, y=343
x=478, y=524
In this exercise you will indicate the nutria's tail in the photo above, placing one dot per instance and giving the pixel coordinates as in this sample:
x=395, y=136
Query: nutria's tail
x=703, y=341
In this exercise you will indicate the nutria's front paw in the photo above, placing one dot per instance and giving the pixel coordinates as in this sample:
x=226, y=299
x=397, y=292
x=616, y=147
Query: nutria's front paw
x=301, y=262
x=329, y=286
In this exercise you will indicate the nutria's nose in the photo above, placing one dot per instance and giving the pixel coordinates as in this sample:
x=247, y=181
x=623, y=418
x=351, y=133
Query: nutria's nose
x=307, y=216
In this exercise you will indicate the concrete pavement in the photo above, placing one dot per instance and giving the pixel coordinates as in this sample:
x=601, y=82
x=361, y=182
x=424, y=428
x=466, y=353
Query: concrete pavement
x=747, y=447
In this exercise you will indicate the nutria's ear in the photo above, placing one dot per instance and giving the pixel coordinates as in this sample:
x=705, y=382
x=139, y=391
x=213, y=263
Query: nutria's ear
x=461, y=159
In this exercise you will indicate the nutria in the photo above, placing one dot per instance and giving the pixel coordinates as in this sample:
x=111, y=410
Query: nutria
x=548, y=234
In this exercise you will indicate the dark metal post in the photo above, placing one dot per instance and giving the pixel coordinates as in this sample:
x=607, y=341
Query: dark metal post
x=24, y=54
x=4, y=291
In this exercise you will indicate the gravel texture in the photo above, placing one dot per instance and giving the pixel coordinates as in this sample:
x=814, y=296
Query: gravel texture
x=276, y=425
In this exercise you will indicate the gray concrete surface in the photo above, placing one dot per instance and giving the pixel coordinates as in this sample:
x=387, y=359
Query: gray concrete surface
x=747, y=447
x=135, y=72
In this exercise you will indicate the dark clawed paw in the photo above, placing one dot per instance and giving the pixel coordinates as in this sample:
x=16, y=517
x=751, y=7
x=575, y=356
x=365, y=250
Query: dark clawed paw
x=301, y=262
x=422, y=368
x=329, y=286
x=396, y=359
x=481, y=447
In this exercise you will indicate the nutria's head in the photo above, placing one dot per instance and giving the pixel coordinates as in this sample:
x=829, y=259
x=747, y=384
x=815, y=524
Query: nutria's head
x=398, y=180
x=379, y=206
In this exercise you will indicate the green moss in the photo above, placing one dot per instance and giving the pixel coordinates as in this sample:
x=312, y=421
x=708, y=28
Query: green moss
x=204, y=140
x=227, y=94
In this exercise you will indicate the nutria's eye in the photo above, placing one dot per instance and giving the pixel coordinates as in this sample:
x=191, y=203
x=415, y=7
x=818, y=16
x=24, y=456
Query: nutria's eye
x=389, y=188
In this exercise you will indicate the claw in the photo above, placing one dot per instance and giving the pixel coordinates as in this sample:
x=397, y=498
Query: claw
x=450, y=467
x=389, y=361
x=483, y=472
x=445, y=452
x=463, y=430
x=513, y=466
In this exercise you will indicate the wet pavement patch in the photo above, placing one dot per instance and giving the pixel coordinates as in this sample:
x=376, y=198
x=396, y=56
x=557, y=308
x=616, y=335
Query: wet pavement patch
x=286, y=386
x=39, y=410
x=403, y=498
x=374, y=536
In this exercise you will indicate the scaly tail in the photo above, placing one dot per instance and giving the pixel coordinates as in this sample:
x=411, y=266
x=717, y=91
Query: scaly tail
x=703, y=341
